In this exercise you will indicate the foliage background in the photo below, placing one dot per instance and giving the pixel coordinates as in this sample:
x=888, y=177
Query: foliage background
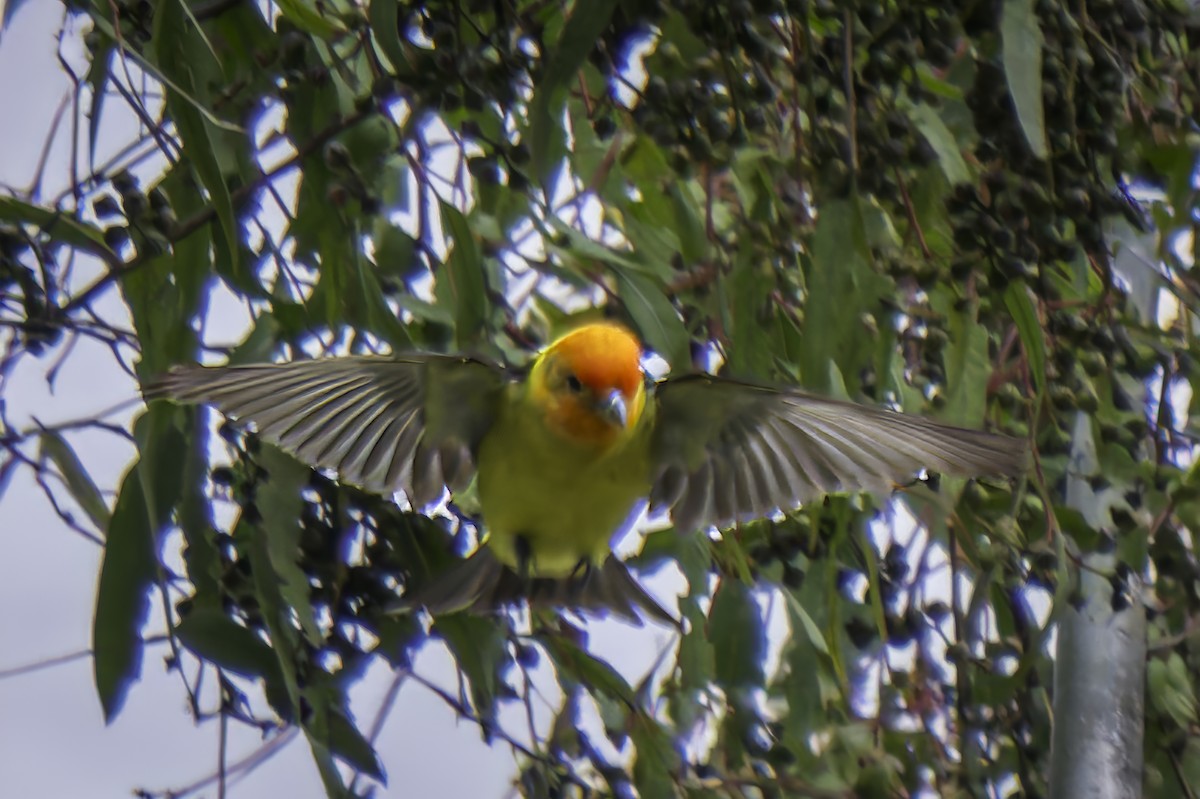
x=986, y=213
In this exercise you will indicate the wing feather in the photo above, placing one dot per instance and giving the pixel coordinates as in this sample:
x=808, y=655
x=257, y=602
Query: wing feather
x=410, y=423
x=727, y=451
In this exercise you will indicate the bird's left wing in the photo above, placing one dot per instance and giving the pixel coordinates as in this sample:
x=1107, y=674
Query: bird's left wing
x=411, y=422
x=725, y=451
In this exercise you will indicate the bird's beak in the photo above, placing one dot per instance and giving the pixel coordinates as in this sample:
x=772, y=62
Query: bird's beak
x=612, y=408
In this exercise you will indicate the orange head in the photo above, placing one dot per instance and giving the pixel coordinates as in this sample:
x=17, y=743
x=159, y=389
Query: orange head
x=589, y=383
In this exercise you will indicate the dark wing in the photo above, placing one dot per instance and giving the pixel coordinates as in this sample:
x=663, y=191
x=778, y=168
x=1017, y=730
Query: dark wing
x=481, y=584
x=726, y=451
x=410, y=423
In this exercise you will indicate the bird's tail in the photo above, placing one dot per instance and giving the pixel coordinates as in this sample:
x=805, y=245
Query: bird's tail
x=482, y=584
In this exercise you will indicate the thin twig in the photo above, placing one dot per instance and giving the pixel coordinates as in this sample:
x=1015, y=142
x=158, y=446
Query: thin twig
x=222, y=747
x=62, y=660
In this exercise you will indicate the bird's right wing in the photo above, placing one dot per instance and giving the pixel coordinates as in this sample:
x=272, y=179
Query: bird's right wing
x=726, y=451
x=410, y=423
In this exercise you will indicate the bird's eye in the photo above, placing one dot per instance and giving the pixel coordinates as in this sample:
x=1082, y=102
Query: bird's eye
x=573, y=383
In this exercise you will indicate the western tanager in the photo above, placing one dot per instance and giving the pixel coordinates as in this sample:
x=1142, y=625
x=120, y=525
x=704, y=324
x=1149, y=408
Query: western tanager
x=564, y=452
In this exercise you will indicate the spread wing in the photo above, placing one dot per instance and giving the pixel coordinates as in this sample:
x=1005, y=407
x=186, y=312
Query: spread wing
x=726, y=451
x=410, y=423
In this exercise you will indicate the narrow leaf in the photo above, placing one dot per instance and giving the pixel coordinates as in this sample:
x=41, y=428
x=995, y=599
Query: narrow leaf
x=347, y=743
x=59, y=225
x=121, y=600
x=653, y=770
x=105, y=27
x=171, y=29
x=739, y=638
x=942, y=141
x=587, y=21
x=596, y=675
x=280, y=502
x=1021, y=37
x=801, y=617
x=966, y=360
x=97, y=79
x=1019, y=304
x=479, y=649
x=308, y=17
x=385, y=28
x=295, y=701
x=131, y=562
x=79, y=482
x=840, y=286
x=655, y=317
x=462, y=278
x=216, y=638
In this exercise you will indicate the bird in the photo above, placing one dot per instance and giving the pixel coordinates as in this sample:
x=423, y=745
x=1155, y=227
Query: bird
x=564, y=452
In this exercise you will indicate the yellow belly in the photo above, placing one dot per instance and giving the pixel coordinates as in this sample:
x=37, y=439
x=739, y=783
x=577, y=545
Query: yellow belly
x=562, y=499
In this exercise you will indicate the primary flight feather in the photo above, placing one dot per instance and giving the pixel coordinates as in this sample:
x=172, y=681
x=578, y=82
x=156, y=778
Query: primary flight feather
x=565, y=453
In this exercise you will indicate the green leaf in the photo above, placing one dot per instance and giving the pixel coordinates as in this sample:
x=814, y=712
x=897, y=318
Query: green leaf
x=307, y=16
x=739, y=638
x=841, y=286
x=191, y=259
x=595, y=674
x=655, y=317
x=579, y=246
x=284, y=638
x=79, y=482
x=966, y=360
x=347, y=743
x=801, y=618
x=811, y=687
x=938, y=86
x=1170, y=689
x=130, y=564
x=394, y=251
x=187, y=12
x=749, y=291
x=280, y=501
x=425, y=311
x=215, y=637
x=59, y=225
x=105, y=26
x=97, y=79
x=546, y=137
x=171, y=32
x=689, y=223
x=153, y=295
x=461, y=282
x=384, y=21
x=657, y=760
x=696, y=658
x=122, y=604
x=942, y=141
x=1020, y=305
x=480, y=650
x=1022, y=41
x=370, y=310
x=297, y=701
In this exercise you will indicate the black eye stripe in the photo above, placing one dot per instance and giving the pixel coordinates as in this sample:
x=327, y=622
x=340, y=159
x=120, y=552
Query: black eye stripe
x=573, y=383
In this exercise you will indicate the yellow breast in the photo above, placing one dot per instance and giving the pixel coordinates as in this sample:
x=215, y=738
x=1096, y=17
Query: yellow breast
x=565, y=498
